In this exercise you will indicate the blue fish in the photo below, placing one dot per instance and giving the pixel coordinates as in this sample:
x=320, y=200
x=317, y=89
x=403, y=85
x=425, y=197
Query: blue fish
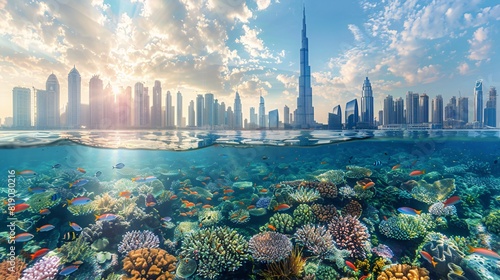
x=119, y=166
x=68, y=270
x=55, y=197
x=166, y=219
x=409, y=211
x=78, y=183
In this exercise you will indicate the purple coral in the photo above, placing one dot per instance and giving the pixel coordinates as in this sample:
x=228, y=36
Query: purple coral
x=384, y=251
x=133, y=240
x=263, y=202
x=350, y=234
x=45, y=268
x=270, y=246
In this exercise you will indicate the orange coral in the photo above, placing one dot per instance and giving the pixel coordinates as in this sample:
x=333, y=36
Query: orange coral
x=404, y=272
x=149, y=263
x=9, y=272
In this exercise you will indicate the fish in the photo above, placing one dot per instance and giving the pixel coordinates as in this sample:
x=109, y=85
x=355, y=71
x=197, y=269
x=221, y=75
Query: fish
x=250, y=207
x=70, y=236
x=368, y=185
x=79, y=183
x=77, y=262
x=75, y=226
x=106, y=217
x=12, y=201
x=150, y=179
x=377, y=163
x=68, y=270
x=409, y=211
x=282, y=207
x=57, y=165
x=173, y=197
x=323, y=162
x=81, y=200
x=243, y=218
x=23, y=237
x=489, y=254
x=36, y=190
x=263, y=190
x=26, y=173
x=81, y=170
x=207, y=206
x=226, y=191
x=97, y=174
x=40, y=253
x=265, y=157
x=452, y=200
x=20, y=207
x=428, y=258
x=351, y=265
x=417, y=172
x=55, y=197
x=126, y=194
x=271, y=227
x=150, y=200
x=397, y=166
x=47, y=227
x=119, y=166
x=44, y=211
x=364, y=277
x=166, y=219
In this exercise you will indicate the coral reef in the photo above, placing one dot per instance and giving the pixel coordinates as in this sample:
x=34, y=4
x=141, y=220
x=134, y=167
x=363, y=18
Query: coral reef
x=383, y=251
x=80, y=210
x=282, y=222
x=406, y=227
x=438, y=209
x=289, y=268
x=44, y=269
x=349, y=233
x=346, y=192
x=111, y=229
x=444, y=251
x=492, y=221
x=404, y=272
x=209, y=217
x=269, y=246
x=184, y=228
x=149, y=263
x=303, y=214
x=324, y=213
x=239, y=216
x=263, y=202
x=316, y=239
x=103, y=204
x=352, y=208
x=78, y=250
x=186, y=268
x=41, y=201
x=133, y=240
x=305, y=195
x=11, y=272
x=432, y=193
x=218, y=250
x=333, y=176
x=357, y=172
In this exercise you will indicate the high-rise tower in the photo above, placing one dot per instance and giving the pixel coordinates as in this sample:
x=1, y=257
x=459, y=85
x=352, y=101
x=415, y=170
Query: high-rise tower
x=96, y=102
x=179, y=109
x=304, y=117
x=490, y=112
x=21, y=98
x=52, y=94
x=478, y=102
x=73, y=111
x=262, y=113
x=238, y=114
x=367, y=103
x=156, y=110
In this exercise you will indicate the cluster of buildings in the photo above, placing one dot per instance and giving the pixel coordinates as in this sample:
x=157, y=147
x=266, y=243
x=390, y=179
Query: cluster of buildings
x=131, y=108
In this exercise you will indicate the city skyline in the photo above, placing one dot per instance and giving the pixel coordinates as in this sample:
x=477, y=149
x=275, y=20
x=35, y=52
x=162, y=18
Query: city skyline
x=243, y=48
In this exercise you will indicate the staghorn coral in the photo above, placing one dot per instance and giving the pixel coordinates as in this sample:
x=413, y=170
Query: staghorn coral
x=282, y=222
x=239, y=216
x=305, y=195
x=352, y=208
x=133, y=240
x=324, y=213
x=492, y=221
x=349, y=233
x=45, y=268
x=438, y=209
x=269, y=246
x=316, y=239
x=218, y=250
x=404, y=272
x=9, y=271
x=357, y=172
x=333, y=176
x=149, y=263
x=406, y=227
x=303, y=214
x=209, y=217
x=104, y=204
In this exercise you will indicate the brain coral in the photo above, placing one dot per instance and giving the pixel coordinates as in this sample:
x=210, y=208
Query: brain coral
x=149, y=263
x=404, y=272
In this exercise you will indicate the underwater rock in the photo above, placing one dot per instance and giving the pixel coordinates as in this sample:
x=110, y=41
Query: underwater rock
x=186, y=267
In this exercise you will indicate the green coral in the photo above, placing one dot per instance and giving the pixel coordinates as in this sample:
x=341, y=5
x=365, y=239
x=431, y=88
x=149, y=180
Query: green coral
x=218, y=250
x=80, y=210
x=282, y=222
x=492, y=221
x=303, y=214
x=41, y=201
x=326, y=272
x=78, y=250
x=209, y=217
x=406, y=227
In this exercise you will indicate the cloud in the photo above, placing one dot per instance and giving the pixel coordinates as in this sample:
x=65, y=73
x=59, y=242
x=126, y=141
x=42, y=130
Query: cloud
x=263, y=4
x=463, y=68
x=358, y=36
x=289, y=81
x=480, y=45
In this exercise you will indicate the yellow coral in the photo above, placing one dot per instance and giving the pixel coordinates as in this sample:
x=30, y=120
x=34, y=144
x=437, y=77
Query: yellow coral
x=149, y=263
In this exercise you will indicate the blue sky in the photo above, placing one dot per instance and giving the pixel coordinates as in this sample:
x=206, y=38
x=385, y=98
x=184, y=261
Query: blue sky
x=220, y=46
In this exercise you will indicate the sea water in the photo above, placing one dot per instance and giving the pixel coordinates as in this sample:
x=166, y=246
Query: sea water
x=201, y=204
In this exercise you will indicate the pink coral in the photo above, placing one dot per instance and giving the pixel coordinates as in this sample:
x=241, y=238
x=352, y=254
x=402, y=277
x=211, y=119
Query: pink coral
x=44, y=269
x=350, y=234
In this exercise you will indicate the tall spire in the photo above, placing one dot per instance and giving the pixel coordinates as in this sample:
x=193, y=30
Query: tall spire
x=304, y=115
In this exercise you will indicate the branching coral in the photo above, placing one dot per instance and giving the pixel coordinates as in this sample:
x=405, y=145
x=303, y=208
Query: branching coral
x=133, y=240
x=316, y=239
x=305, y=195
x=11, y=270
x=406, y=227
x=349, y=233
x=270, y=246
x=45, y=268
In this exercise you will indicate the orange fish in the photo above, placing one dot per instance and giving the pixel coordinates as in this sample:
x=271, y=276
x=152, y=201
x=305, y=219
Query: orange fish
x=265, y=178
x=40, y=253
x=234, y=215
x=397, y=166
x=368, y=185
x=206, y=206
x=173, y=197
x=81, y=170
x=125, y=194
x=21, y=207
x=243, y=218
x=263, y=191
x=351, y=265
x=193, y=192
x=271, y=227
x=282, y=207
x=428, y=258
x=484, y=252
x=250, y=207
x=417, y=172
x=190, y=204
x=208, y=198
x=183, y=214
x=323, y=162
x=228, y=191
x=227, y=197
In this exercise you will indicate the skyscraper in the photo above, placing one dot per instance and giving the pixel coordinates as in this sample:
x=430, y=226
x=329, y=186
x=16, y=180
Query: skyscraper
x=262, y=113
x=208, y=116
x=351, y=114
x=478, y=102
x=253, y=118
x=199, y=110
x=274, y=119
x=124, y=107
x=222, y=115
x=399, y=111
x=146, y=111
x=389, y=110
x=96, y=102
x=305, y=111
x=463, y=110
x=367, y=103
x=179, y=109
x=139, y=105
x=238, y=114
x=52, y=98
x=156, y=113
x=412, y=108
x=450, y=110
x=335, y=118
x=191, y=114
x=437, y=110
x=73, y=111
x=490, y=111
x=423, y=114
x=286, y=115
x=21, y=98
